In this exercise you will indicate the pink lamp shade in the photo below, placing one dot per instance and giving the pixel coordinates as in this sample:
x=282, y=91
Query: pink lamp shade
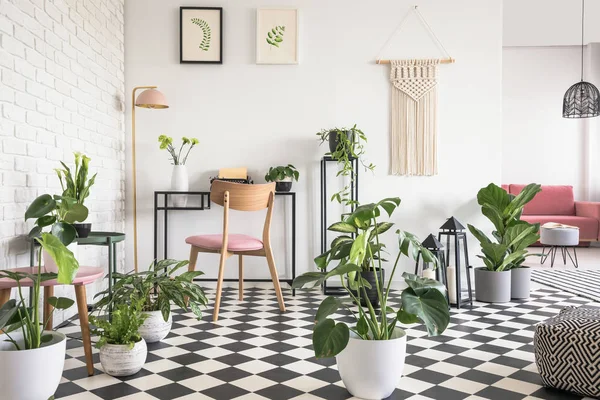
x=151, y=98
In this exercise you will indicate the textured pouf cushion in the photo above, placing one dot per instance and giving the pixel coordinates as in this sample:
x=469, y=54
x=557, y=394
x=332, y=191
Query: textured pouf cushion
x=567, y=351
x=559, y=236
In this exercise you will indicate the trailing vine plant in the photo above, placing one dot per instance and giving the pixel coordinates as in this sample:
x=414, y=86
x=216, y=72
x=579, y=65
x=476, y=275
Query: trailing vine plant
x=205, y=45
x=275, y=35
x=350, y=146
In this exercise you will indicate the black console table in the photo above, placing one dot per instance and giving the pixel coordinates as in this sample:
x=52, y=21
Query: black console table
x=324, y=201
x=205, y=205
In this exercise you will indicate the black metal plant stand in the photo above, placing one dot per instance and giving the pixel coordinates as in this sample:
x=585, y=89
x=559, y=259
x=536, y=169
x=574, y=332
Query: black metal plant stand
x=329, y=290
x=452, y=228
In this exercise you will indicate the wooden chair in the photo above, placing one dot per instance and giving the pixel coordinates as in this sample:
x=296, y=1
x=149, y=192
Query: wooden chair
x=240, y=197
x=85, y=276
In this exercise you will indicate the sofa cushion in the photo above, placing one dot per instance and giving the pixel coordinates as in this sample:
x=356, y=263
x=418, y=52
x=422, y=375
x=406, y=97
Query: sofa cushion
x=552, y=200
x=588, y=227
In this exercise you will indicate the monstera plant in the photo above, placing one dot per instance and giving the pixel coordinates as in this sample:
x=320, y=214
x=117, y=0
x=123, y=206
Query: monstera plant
x=375, y=339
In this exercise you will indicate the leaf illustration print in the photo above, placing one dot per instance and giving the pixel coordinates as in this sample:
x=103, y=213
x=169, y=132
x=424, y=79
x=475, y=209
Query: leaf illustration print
x=275, y=35
x=205, y=45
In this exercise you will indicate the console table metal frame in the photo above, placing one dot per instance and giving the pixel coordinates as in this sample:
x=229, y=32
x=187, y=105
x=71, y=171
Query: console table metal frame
x=335, y=291
x=205, y=204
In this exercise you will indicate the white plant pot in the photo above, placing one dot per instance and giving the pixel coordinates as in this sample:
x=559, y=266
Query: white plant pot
x=155, y=328
x=371, y=369
x=120, y=360
x=31, y=374
x=50, y=265
x=179, y=183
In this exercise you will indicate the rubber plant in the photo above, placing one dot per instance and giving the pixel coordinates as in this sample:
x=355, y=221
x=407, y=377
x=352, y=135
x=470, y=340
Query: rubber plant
x=350, y=146
x=280, y=173
x=156, y=288
x=15, y=315
x=507, y=248
x=423, y=300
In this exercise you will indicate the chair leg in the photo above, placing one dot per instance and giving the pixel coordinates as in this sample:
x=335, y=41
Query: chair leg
x=191, y=266
x=219, y=287
x=241, y=277
x=4, y=296
x=85, y=327
x=47, y=315
x=274, y=277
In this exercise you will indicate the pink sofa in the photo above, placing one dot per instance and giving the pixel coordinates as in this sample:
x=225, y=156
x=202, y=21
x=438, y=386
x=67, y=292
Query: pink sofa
x=557, y=204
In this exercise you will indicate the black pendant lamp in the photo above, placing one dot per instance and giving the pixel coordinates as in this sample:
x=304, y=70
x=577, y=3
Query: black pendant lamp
x=582, y=100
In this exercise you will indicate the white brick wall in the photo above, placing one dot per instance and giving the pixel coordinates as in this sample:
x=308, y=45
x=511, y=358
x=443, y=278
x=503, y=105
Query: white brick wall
x=61, y=69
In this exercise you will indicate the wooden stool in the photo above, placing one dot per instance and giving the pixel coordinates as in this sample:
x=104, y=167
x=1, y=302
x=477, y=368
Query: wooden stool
x=85, y=276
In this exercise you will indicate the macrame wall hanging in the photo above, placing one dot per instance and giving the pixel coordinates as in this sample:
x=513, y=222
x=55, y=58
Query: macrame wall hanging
x=414, y=109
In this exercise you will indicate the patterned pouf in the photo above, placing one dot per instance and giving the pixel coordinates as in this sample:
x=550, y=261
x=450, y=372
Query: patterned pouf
x=567, y=351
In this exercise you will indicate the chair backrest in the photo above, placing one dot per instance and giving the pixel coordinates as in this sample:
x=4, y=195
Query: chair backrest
x=242, y=197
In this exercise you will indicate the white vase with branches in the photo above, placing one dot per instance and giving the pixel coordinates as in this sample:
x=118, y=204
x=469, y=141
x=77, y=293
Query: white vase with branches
x=179, y=176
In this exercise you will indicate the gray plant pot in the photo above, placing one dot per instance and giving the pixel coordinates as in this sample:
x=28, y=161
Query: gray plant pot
x=520, y=286
x=492, y=286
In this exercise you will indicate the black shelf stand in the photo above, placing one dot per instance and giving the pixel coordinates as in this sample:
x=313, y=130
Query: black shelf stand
x=332, y=290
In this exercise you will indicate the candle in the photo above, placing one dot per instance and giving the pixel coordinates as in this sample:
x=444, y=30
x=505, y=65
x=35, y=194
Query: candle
x=451, y=274
x=429, y=273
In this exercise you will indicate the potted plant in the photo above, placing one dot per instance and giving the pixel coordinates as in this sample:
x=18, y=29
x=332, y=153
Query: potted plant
x=179, y=177
x=370, y=354
x=28, y=353
x=345, y=145
x=283, y=177
x=156, y=289
x=77, y=187
x=507, y=250
x=122, y=350
x=56, y=213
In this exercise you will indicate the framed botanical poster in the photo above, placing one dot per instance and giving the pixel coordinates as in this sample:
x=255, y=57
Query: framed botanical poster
x=277, y=36
x=201, y=35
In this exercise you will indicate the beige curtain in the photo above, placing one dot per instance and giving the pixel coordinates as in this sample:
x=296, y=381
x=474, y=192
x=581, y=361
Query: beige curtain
x=414, y=117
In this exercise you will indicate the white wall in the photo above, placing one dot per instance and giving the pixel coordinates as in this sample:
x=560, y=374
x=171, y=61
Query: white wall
x=61, y=90
x=260, y=115
x=539, y=145
x=549, y=22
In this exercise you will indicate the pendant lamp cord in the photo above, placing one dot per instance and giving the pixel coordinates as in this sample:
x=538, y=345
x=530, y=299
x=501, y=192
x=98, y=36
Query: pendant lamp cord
x=582, y=25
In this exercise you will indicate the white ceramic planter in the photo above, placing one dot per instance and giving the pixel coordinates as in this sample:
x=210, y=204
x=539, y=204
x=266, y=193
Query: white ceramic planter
x=31, y=374
x=50, y=265
x=155, y=328
x=179, y=183
x=371, y=369
x=119, y=360
x=520, y=285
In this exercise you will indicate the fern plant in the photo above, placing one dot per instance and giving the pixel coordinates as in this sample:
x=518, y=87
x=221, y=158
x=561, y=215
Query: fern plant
x=123, y=328
x=205, y=44
x=275, y=35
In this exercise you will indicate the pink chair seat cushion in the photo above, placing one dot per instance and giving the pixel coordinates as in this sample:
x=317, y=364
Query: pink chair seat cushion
x=235, y=242
x=85, y=275
x=588, y=227
x=552, y=200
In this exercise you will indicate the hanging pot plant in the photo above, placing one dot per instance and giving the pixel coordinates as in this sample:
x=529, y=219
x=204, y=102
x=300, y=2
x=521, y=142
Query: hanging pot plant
x=283, y=177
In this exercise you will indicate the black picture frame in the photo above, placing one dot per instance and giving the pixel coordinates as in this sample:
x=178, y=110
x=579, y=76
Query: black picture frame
x=181, y=60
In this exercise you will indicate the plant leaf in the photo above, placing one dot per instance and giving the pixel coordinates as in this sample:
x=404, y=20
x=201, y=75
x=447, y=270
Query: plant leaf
x=431, y=307
x=329, y=338
x=40, y=207
x=64, y=259
x=61, y=303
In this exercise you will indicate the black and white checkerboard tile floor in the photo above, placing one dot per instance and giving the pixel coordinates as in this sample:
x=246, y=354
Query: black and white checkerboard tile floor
x=256, y=352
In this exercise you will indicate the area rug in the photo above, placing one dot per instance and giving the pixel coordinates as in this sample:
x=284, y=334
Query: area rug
x=584, y=283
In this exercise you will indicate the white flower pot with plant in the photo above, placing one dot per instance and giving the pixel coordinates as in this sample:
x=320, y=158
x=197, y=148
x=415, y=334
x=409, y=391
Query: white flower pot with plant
x=77, y=186
x=32, y=359
x=507, y=249
x=156, y=290
x=283, y=177
x=122, y=350
x=370, y=359
x=179, y=176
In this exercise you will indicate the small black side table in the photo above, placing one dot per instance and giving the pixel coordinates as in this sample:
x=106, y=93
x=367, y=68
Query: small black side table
x=205, y=205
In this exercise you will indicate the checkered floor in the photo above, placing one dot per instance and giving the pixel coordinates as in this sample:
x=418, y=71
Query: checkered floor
x=254, y=352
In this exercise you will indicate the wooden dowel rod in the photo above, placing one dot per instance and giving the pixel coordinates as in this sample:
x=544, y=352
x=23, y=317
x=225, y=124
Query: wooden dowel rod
x=442, y=61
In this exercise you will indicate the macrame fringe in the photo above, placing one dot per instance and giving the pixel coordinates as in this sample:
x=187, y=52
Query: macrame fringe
x=414, y=117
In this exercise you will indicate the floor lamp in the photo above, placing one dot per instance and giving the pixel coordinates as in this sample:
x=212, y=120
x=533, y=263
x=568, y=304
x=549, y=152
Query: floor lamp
x=149, y=98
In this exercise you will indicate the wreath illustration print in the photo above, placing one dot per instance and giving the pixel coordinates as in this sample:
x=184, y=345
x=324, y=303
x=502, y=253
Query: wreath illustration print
x=205, y=44
x=275, y=35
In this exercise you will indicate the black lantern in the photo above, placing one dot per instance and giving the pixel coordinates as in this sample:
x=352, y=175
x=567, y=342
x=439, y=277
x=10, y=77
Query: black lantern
x=454, y=231
x=582, y=100
x=436, y=248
